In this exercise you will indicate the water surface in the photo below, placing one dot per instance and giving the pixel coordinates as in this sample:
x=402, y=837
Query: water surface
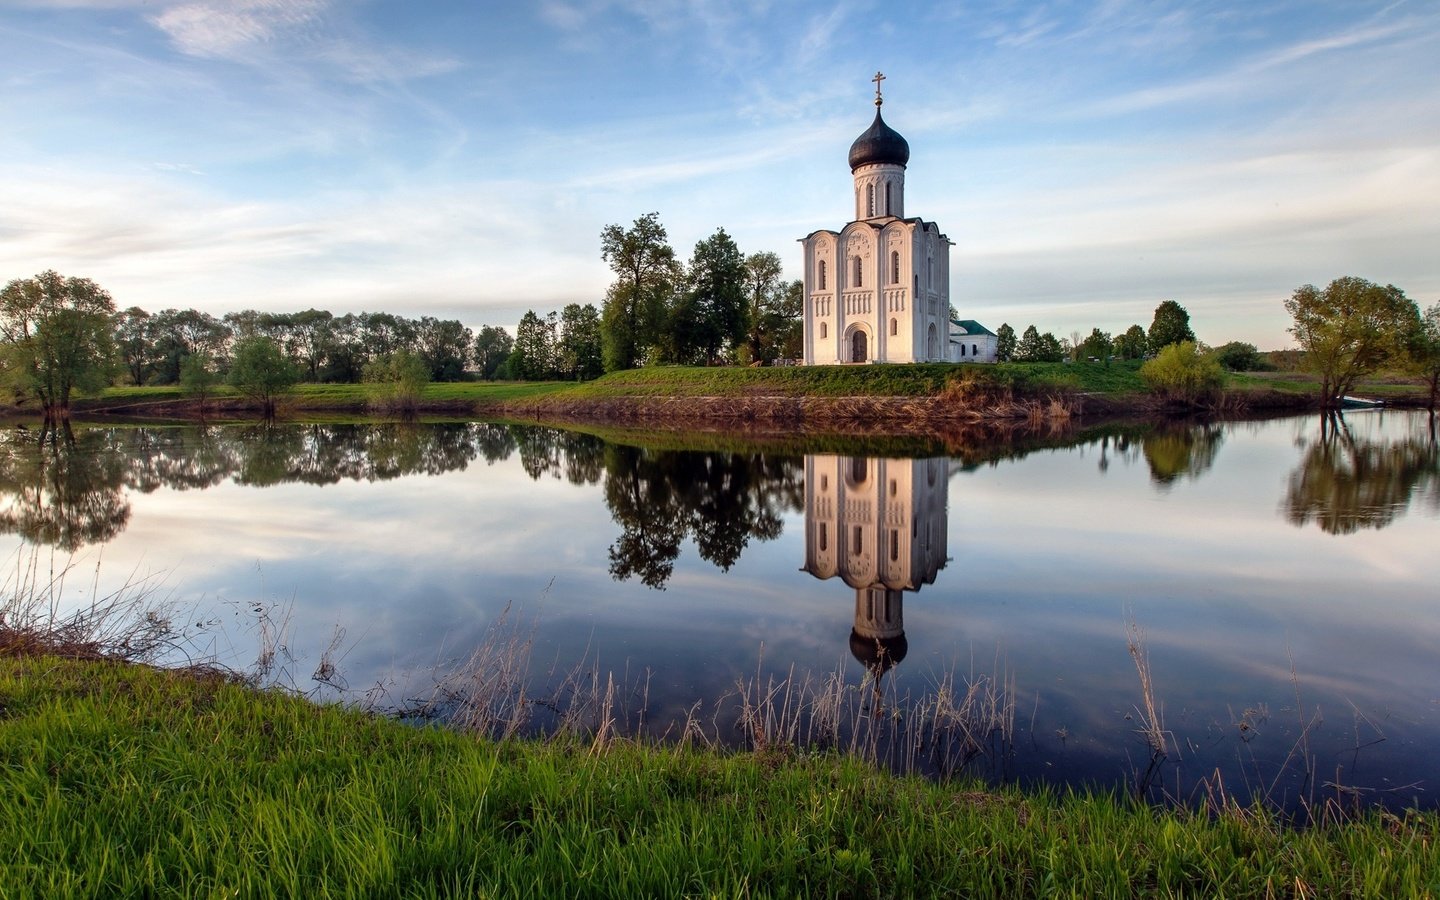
x=1281, y=576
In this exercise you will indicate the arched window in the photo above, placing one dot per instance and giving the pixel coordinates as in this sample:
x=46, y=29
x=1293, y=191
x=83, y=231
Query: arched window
x=821, y=275
x=823, y=329
x=887, y=200
x=962, y=349
x=974, y=349
x=823, y=535
x=870, y=200
x=859, y=469
x=894, y=327
x=858, y=541
x=894, y=266
x=859, y=281
x=894, y=545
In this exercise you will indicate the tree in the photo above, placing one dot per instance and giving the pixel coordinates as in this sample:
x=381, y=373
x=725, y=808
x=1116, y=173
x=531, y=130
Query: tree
x=177, y=333
x=492, y=348
x=764, y=292
x=1031, y=347
x=646, y=272
x=1181, y=374
x=58, y=338
x=1423, y=350
x=1131, y=344
x=1097, y=346
x=533, y=358
x=444, y=345
x=712, y=317
x=579, y=354
x=261, y=373
x=1004, y=343
x=1171, y=325
x=198, y=377
x=1349, y=330
x=135, y=344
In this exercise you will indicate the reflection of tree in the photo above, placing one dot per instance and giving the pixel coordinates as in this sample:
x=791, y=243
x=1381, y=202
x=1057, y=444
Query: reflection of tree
x=1346, y=483
x=721, y=500
x=1181, y=450
x=62, y=489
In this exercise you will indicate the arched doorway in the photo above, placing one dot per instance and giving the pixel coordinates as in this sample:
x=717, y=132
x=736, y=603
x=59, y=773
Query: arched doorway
x=932, y=348
x=859, y=347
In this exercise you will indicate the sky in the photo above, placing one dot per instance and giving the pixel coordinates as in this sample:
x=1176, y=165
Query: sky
x=459, y=159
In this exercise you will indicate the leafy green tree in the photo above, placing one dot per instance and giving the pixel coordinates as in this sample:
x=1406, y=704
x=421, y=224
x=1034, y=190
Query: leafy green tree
x=311, y=337
x=135, y=344
x=645, y=276
x=1423, y=350
x=1053, y=348
x=343, y=357
x=1132, y=344
x=444, y=345
x=382, y=333
x=533, y=358
x=764, y=293
x=56, y=339
x=785, y=327
x=1238, y=356
x=397, y=381
x=198, y=376
x=1171, y=325
x=493, y=347
x=1097, y=346
x=1031, y=347
x=1181, y=374
x=1004, y=343
x=1349, y=330
x=177, y=333
x=579, y=354
x=261, y=373
x=711, y=316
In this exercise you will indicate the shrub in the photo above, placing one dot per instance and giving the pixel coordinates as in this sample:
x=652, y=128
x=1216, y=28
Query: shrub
x=397, y=380
x=1180, y=374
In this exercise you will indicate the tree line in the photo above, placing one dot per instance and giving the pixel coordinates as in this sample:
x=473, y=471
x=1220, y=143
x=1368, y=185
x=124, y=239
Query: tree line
x=1169, y=325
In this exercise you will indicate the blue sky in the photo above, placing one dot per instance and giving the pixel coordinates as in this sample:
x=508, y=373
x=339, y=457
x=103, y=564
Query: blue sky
x=459, y=159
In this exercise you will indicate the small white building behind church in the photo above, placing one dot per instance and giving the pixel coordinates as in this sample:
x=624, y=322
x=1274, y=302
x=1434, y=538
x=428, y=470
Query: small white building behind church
x=878, y=290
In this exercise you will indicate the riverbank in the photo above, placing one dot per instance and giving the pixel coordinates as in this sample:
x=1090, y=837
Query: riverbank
x=122, y=779
x=898, y=399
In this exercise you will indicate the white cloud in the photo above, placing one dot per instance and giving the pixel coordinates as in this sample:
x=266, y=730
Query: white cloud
x=220, y=28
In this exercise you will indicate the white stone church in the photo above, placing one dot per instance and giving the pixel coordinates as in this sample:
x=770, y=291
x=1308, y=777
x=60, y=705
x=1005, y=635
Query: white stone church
x=878, y=290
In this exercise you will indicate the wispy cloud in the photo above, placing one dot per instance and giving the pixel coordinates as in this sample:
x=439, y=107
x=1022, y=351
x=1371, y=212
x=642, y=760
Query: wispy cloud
x=223, y=28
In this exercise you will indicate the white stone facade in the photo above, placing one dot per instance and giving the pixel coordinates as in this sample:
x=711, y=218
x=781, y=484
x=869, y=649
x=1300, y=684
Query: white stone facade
x=878, y=290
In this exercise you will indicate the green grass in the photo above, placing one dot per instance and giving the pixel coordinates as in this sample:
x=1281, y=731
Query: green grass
x=127, y=781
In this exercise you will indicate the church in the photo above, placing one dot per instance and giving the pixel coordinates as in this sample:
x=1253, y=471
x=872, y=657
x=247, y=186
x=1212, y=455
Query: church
x=878, y=290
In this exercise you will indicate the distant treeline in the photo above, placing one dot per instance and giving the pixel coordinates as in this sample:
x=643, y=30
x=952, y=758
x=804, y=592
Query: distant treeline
x=324, y=347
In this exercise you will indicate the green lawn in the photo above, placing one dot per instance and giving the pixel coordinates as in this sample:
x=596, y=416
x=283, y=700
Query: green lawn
x=120, y=780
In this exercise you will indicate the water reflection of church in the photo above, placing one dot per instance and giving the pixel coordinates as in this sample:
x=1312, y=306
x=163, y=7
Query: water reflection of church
x=880, y=525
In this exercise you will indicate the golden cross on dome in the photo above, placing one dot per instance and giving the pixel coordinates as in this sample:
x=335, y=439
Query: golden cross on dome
x=877, y=79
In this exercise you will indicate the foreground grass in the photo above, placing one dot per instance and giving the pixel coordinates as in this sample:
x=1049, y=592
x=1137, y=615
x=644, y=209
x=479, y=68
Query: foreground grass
x=120, y=780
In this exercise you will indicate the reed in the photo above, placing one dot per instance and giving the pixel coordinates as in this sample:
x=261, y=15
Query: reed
x=132, y=781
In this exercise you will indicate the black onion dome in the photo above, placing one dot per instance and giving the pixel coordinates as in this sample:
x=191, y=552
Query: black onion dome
x=879, y=655
x=879, y=144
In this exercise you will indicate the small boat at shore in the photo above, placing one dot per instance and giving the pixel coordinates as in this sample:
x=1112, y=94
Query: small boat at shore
x=1360, y=403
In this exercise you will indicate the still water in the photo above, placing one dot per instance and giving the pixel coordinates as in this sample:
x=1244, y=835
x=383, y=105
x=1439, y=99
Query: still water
x=1281, y=579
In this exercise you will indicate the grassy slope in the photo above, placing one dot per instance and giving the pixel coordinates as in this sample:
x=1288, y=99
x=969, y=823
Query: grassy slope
x=1119, y=382
x=118, y=780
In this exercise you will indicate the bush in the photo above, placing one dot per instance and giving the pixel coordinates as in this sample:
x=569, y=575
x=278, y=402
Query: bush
x=397, y=380
x=1180, y=374
x=1238, y=356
